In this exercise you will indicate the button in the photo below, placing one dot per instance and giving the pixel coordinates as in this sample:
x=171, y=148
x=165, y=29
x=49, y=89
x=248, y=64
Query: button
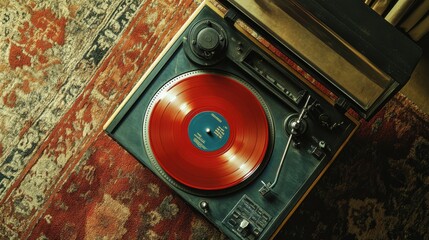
x=266, y=217
x=251, y=237
x=204, y=206
x=318, y=153
x=252, y=206
x=243, y=227
x=232, y=222
x=245, y=212
x=269, y=78
x=322, y=144
x=279, y=86
x=262, y=223
x=244, y=223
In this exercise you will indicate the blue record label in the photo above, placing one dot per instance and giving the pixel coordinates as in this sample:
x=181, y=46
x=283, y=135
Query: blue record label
x=208, y=131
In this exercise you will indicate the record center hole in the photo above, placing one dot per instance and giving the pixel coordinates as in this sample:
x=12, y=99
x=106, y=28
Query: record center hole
x=209, y=131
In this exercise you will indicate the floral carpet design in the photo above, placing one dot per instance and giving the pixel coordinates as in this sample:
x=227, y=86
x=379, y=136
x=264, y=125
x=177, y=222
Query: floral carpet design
x=64, y=68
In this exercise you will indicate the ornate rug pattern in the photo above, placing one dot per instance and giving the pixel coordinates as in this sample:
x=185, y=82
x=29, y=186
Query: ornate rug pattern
x=65, y=65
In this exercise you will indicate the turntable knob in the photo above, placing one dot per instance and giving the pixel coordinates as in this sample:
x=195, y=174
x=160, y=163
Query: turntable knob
x=244, y=224
x=204, y=205
x=208, y=39
x=206, y=43
x=322, y=144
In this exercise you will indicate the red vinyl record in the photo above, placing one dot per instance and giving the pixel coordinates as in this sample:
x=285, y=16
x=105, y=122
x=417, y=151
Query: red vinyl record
x=208, y=131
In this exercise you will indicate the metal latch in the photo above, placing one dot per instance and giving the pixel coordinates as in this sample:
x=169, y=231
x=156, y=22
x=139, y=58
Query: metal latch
x=231, y=16
x=341, y=104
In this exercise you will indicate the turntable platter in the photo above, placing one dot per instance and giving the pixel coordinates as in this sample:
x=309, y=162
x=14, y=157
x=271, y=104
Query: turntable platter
x=207, y=131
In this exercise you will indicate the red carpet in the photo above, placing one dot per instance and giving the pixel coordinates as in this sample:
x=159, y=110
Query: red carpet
x=66, y=65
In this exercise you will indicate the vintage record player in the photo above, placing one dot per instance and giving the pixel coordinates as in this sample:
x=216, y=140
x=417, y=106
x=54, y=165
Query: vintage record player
x=239, y=134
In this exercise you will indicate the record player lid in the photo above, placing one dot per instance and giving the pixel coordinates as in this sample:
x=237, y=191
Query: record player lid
x=343, y=44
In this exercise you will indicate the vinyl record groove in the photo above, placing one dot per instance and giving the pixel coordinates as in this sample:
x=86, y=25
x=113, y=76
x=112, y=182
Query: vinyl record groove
x=207, y=131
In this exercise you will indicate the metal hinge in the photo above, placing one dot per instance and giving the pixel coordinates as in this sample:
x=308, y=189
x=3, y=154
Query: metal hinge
x=342, y=105
x=231, y=16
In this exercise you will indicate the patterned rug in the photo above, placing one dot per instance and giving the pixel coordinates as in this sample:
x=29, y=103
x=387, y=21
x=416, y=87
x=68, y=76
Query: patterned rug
x=65, y=65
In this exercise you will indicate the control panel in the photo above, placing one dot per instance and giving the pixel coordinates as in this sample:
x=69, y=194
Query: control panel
x=247, y=219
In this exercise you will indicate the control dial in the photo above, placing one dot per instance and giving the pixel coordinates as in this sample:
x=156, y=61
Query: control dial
x=206, y=43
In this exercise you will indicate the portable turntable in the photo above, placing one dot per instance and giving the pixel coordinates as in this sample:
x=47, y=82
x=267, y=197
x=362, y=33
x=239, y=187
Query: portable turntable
x=239, y=134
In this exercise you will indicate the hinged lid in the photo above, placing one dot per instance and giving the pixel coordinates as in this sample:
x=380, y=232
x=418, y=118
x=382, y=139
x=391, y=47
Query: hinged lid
x=345, y=45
